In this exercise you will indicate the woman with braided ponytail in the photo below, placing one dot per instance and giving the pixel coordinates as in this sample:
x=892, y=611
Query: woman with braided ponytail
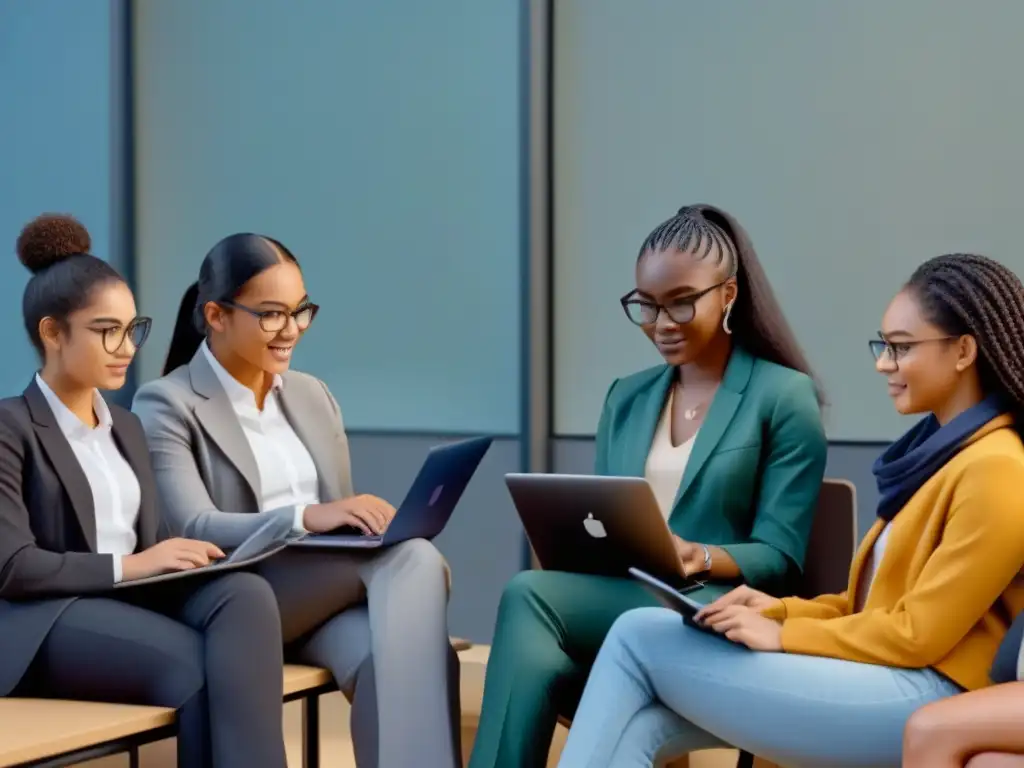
x=832, y=681
x=727, y=433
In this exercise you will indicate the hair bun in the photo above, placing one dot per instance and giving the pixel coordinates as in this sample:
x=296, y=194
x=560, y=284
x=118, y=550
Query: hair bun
x=51, y=238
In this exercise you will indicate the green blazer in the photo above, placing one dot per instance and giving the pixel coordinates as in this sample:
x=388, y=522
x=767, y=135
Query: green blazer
x=752, y=481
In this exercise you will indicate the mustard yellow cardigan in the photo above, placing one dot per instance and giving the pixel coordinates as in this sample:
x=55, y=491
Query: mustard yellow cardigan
x=948, y=584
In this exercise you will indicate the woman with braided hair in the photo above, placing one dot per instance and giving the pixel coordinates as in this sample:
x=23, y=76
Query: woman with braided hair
x=983, y=728
x=728, y=434
x=832, y=681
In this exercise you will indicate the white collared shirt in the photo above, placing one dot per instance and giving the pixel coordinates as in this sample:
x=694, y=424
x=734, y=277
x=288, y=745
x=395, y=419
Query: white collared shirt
x=287, y=473
x=116, y=495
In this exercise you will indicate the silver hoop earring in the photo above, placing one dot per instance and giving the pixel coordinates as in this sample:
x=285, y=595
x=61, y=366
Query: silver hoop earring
x=725, y=319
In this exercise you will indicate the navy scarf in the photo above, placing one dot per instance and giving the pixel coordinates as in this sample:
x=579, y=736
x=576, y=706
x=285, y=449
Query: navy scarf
x=909, y=462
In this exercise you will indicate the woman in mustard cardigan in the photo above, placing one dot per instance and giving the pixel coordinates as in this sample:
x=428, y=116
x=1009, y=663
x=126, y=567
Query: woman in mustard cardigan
x=832, y=681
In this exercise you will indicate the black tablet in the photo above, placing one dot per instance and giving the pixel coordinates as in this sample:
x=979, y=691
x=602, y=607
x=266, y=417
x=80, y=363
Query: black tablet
x=671, y=598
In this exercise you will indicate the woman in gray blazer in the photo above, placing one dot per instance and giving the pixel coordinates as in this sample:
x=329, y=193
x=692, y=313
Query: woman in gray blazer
x=79, y=522
x=237, y=440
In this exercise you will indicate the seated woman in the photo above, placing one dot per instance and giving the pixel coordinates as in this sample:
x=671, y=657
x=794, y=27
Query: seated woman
x=980, y=729
x=78, y=514
x=832, y=681
x=728, y=433
x=238, y=440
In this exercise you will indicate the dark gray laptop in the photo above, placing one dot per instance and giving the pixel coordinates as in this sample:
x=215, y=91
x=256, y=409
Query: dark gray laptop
x=596, y=524
x=267, y=540
x=427, y=507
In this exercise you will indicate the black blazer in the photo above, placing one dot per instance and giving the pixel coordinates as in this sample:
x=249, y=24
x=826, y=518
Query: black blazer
x=48, y=525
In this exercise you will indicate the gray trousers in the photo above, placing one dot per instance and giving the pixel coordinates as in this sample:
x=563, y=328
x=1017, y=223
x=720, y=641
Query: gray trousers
x=209, y=648
x=378, y=620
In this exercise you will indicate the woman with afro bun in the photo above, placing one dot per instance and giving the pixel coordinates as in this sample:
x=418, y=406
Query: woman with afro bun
x=79, y=516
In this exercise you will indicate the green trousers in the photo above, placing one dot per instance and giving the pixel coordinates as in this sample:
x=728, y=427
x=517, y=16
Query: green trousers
x=550, y=627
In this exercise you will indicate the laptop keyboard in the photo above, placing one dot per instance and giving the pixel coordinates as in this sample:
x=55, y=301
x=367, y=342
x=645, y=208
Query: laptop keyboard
x=350, y=531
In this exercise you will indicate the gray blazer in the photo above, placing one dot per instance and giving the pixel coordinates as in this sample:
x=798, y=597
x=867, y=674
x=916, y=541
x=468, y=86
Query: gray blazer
x=205, y=471
x=48, y=552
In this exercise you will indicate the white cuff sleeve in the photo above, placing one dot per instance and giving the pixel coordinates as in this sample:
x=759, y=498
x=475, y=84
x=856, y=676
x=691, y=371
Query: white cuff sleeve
x=117, y=568
x=297, y=523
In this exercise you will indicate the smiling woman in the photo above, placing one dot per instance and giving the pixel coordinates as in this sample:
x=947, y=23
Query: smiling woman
x=721, y=256
x=932, y=587
x=78, y=514
x=941, y=325
x=239, y=441
x=238, y=269
x=72, y=289
x=728, y=434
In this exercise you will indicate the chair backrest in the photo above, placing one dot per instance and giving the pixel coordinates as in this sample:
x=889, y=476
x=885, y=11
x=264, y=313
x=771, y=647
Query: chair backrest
x=833, y=540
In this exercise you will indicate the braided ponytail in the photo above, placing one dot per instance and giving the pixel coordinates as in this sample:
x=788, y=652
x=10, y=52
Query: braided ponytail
x=758, y=323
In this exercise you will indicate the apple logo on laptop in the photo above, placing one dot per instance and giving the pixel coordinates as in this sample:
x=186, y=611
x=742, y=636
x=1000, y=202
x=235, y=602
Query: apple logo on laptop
x=594, y=527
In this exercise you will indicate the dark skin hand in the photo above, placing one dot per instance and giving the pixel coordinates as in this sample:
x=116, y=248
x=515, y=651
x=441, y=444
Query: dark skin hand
x=691, y=555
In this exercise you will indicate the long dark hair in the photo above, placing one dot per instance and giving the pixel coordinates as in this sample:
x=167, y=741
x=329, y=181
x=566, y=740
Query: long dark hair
x=55, y=249
x=757, y=321
x=969, y=295
x=228, y=266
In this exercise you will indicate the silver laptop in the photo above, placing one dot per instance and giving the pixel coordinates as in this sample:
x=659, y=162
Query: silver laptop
x=595, y=524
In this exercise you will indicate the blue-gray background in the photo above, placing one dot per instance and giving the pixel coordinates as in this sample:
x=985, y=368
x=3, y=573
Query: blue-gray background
x=382, y=142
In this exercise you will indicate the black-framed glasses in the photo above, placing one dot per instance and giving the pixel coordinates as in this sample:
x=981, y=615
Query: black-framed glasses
x=113, y=337
x=680, y=311
x=275, y=320
x=897, y=350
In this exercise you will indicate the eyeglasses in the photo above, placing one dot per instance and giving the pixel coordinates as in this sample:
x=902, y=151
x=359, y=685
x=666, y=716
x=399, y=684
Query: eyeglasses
x=897, y=350
x=680, y=311
x=275, y=320
x=113, y=337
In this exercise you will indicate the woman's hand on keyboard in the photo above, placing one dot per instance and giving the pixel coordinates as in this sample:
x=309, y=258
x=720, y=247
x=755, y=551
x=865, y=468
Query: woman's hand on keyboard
x=169, y=555
x=369, y=514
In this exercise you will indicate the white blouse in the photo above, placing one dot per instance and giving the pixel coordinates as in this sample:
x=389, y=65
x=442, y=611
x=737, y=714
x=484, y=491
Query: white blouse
x=288, y=475
x=874, y=559
x=116, y=495
x=666, y=463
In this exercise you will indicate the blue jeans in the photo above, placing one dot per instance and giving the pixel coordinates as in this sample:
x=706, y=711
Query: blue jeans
x=662, y=689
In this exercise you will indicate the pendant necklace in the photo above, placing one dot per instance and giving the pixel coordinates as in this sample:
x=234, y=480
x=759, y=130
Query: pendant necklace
x=691, y=414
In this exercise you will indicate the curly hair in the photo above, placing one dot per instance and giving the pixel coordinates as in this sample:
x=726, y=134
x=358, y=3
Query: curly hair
x=49, y=239
x=55, y=249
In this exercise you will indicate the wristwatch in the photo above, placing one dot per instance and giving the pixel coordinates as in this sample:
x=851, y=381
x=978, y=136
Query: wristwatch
x=707, y=558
